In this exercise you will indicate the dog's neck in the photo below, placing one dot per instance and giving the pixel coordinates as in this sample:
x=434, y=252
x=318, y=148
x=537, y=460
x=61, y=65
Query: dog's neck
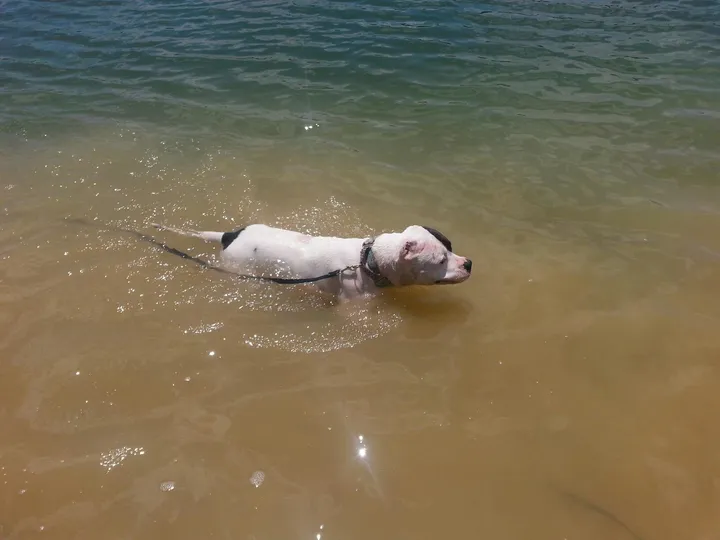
x=370, y=266
x=386, y=249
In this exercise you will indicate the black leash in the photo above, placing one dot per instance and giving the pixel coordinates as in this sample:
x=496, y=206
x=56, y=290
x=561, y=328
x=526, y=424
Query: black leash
x=205, y=264
x=297, y=281
x=365, y=253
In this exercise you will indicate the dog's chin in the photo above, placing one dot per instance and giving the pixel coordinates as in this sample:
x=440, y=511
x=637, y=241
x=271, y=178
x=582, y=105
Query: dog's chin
x=453, y=281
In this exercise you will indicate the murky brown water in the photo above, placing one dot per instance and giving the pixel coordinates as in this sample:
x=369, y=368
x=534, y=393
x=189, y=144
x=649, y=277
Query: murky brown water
x=567, y=391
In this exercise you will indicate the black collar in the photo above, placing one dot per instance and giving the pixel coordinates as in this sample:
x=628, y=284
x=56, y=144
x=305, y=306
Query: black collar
x=370, y=266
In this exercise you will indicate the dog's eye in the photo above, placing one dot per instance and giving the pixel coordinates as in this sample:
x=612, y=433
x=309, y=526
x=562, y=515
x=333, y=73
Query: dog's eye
x=444, y=259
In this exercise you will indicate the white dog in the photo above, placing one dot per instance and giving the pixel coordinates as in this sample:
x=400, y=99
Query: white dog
x=345, y=267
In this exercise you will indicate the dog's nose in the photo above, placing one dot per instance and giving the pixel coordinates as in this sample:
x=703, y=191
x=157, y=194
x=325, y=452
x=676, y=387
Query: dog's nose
x=467, y=265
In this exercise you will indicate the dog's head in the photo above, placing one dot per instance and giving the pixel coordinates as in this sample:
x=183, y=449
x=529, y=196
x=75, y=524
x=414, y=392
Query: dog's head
x=421, y=256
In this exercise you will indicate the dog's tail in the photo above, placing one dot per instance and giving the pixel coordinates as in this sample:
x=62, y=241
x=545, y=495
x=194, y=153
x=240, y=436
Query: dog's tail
x=208, y=236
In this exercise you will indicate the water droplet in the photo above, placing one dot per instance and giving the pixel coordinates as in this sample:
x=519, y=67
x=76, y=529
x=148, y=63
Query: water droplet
x=167, y=486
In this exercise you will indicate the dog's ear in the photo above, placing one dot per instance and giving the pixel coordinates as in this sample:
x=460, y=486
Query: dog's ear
x=440, y=236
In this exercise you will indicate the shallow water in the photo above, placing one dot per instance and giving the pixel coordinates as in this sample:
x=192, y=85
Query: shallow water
x=566, y=391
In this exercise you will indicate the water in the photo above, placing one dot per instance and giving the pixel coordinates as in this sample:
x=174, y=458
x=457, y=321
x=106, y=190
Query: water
x=566, y=391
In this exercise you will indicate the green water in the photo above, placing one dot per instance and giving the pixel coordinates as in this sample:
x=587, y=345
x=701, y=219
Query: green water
x=634, y=82
x=574, y=105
